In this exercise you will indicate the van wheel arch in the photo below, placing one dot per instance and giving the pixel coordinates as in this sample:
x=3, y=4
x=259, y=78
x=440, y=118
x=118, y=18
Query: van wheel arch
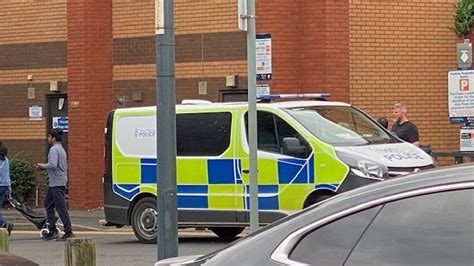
x=134, y=203
x=317, y=196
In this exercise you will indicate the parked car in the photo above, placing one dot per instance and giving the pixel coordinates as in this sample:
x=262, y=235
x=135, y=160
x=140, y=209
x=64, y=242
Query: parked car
x=425, y=218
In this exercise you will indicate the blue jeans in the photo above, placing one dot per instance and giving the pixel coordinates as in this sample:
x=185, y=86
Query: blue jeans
x=3, y=192
x=55, y=199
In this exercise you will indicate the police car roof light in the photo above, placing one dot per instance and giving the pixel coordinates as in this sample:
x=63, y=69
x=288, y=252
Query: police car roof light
x=316, y=96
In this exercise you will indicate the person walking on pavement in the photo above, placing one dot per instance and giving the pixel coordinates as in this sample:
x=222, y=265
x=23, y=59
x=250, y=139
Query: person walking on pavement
x=55, y=198
x=402, y=127
x=5, y=184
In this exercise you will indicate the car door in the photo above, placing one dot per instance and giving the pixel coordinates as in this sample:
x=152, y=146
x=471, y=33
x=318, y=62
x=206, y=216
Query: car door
x=432, y=229
x=435, y=229
x=283, y=181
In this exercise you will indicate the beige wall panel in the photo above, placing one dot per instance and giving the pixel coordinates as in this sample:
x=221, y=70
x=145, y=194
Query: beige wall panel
x=39, y=75
x=29, y=21
x=135, y=18
x=21, y=129
x=205, y=16
x=183, y=70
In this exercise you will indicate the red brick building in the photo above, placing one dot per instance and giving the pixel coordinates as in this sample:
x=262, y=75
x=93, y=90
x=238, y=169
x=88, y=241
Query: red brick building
x=101, y=55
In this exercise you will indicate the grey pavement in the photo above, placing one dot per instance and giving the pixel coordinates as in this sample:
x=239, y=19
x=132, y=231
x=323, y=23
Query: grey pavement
x=83, y=220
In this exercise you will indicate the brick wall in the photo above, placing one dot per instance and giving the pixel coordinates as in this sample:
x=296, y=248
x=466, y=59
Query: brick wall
x=208, y=48
x=402, y=51
x=89, y=48
x=32, y=42
x=309, y=45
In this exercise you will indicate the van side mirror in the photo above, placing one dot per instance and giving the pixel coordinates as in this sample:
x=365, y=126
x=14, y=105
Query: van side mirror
x=292, y=147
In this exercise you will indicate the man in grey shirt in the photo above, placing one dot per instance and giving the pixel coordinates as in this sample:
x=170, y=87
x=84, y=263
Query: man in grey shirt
x=55, y=199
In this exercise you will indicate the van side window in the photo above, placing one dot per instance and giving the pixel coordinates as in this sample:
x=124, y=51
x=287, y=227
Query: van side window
x=271, y=130
x=202, y=134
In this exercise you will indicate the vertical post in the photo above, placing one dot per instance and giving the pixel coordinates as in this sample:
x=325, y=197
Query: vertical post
x=252, y=102
x=4, y=240
x=80, y=252
x=166, y=138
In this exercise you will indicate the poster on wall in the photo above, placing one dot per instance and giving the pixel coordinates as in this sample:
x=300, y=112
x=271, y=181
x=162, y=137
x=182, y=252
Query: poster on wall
x=263, y=55
x=467, y=139
x=35, y=112
x=262, y=89
x=461, y=96
x=61, y=123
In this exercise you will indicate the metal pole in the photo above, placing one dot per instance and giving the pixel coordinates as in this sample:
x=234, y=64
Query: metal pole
x=252, y=101
x=167, y=243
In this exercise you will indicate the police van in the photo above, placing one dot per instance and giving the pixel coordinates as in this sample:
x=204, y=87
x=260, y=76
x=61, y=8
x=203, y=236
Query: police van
x=308, y=150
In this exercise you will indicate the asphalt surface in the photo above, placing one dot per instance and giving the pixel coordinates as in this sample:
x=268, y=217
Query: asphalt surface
x=114, y=246
x=81, y=220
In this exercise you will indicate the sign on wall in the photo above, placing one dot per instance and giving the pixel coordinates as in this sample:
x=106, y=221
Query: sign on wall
x=35, y=112
x=263, y=55
x=262, y=89
x=461, y=96
x=61, y=123
x=467, y=139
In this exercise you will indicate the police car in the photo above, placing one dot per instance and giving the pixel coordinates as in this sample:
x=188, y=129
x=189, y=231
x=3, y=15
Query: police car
x=308, y=150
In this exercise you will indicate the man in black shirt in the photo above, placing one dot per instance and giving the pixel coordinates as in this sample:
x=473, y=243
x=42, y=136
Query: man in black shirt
x=402, y=127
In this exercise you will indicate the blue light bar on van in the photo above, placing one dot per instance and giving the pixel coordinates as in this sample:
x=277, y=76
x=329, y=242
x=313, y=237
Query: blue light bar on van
x=270, y=97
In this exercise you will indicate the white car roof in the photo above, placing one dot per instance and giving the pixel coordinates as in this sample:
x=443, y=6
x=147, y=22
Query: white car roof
x=232, y=105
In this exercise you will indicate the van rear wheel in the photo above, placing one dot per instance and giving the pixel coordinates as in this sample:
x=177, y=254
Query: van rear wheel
x=144, y=219
x=227, y=232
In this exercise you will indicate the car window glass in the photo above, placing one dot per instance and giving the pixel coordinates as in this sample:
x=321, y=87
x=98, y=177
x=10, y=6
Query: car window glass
x=266, y=134
x=330, y=244
x=271, y=130
x=436, y=229
x=202, y=134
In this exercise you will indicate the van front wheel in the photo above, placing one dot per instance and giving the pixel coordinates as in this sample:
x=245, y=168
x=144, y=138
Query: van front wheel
x=144, y=219
x=227, y=232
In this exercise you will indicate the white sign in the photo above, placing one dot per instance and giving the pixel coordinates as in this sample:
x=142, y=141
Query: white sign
x=35, y=112
x=263, y=54
x=159, y=17
x=461, y=96
x=467, y=139
x=61, y=123
x=241, y=14
x=262, y=89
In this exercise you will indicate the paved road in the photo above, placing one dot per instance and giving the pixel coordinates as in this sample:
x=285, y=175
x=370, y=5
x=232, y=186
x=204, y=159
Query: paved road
x=113, y=248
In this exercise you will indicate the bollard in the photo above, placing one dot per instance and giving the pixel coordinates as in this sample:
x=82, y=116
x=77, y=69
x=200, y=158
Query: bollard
x=4, y=240
x=79, y=252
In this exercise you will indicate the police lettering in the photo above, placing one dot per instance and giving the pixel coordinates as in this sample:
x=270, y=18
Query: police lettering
x=140, y=133
x=403, y=156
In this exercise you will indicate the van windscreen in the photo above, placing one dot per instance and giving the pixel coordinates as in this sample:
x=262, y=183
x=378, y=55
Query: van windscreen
x=341, y=125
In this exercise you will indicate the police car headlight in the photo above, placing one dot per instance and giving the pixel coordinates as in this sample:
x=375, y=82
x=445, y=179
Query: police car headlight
x=363, y=167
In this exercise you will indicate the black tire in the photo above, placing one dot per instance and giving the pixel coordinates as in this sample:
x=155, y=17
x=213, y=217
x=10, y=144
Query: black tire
x=227, y=232
x=144, y=219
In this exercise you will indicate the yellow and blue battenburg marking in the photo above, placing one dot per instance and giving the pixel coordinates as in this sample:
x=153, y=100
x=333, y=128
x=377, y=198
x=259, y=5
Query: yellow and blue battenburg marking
x=294, y=176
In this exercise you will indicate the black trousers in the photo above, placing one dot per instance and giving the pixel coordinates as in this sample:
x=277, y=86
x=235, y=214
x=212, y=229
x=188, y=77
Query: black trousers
x=55, y=199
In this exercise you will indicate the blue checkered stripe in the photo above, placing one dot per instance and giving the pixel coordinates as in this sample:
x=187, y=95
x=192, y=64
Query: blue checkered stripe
x=227, y=171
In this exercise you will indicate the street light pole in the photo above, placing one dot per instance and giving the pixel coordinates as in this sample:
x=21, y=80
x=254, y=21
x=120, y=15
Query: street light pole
x=167, y=218
x=252, y=114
